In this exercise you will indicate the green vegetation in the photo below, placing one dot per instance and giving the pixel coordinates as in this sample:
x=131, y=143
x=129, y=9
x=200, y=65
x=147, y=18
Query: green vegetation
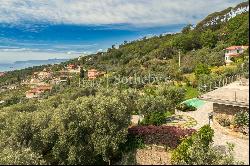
x=191, y=93
x=198, y=149
x=241, y=119
x=86, y=122
x=223, y=120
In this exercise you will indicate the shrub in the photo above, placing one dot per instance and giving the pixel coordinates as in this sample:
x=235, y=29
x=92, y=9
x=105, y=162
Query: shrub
x=155, y=118
x=223, y=120
x=161, y=135
x=206, y=134
x=154, y=109
x=241, y=119
x=202, y=69
x=198, y=154
x=23, y=156
x=198, y=150
x=185, y=107
x=246, y=75
x=180, y=154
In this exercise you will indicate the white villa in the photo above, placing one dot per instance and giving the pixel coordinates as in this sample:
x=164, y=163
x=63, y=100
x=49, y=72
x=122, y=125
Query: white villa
x=233, y=51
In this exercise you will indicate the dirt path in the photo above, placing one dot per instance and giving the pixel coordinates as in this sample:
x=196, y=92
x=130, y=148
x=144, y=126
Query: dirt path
x=201, y=116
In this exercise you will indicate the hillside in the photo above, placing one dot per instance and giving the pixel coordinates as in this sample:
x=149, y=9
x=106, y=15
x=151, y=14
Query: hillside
x=224, y=16
x=57, y=115
x=159, y=54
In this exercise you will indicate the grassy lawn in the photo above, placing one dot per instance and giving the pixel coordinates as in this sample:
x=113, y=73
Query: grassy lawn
x=191, y=93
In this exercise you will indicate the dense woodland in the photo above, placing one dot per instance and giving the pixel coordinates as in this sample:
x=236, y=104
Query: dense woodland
x=89, y=125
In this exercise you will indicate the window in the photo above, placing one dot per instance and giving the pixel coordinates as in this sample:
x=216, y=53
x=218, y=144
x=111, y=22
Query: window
x=238, y=51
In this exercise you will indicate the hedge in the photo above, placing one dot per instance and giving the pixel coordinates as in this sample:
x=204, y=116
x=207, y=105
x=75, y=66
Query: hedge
x=169, y=136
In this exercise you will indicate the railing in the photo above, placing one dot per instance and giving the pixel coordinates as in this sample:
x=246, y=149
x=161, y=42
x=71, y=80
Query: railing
x=204, y=88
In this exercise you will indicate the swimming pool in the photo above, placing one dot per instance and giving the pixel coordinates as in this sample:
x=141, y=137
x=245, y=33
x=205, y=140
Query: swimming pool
x=194, y=102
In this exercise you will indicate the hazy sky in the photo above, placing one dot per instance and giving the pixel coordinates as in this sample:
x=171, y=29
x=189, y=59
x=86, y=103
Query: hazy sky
x=30, y=28
x=98, y=12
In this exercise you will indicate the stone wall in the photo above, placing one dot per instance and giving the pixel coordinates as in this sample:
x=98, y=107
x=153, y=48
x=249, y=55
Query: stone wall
x=228, y=109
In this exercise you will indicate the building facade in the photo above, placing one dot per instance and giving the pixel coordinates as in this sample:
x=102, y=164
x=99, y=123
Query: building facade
x=233, y=51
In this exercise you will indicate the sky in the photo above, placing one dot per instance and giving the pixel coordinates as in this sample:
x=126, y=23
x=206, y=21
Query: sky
x=43, y=29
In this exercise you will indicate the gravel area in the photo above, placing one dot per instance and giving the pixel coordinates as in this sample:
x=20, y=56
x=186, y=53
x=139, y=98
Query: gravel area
x=152, y=156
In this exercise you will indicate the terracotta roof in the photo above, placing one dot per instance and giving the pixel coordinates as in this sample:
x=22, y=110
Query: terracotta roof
x=2, y=74
x=71, y=65
x=234, y=54
x=39, y=89
x=92, y=70
x=236, y=47
x=32, y=91
x=44, y=87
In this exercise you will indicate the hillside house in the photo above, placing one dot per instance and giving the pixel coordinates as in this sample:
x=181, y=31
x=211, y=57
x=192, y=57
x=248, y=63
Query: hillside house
x=34, y=81
x=93, y=74
x=36, y=92
x=2, y=74
x=72, y=68
x=42, y=75
x=233, y=51
x=63, y=78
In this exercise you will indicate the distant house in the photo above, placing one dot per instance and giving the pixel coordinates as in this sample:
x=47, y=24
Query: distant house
x=233, y=51
x=2, y=74
x=93, y=74
x=42, y=75
x=63, y=78
x=36, y=92
x=33, y=93
x=35, y=81
x=72, y=68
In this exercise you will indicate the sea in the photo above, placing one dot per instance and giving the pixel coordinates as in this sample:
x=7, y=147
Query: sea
x=4, y=67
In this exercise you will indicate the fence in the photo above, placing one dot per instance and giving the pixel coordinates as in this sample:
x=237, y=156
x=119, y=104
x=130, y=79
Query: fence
x=207, y=87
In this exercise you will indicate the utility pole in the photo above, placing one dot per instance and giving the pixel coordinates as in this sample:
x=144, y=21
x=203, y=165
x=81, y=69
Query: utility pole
x=179, y=60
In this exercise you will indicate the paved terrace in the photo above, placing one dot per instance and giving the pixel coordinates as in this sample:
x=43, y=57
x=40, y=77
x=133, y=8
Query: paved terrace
x=236, y=94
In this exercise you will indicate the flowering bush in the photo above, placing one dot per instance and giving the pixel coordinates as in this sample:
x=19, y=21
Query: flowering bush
x=161, y=135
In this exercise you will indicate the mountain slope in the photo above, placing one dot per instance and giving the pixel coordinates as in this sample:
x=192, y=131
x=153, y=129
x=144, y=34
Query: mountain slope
x=224, y=16
x=158, y=55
